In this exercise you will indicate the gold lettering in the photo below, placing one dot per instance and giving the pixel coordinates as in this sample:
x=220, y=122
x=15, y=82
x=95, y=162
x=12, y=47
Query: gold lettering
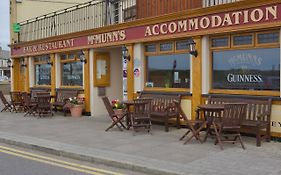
x=154, y=32
x=164, y=29
x=227, y=20
x=257, y=15
x=193, y=24
x=148, y=31
x=205, y=22
x=272, y=11
x=182, y=26
x=122, y=35
x=236, y=16
x=216, y=21
x=172, y=28
x=246, y=16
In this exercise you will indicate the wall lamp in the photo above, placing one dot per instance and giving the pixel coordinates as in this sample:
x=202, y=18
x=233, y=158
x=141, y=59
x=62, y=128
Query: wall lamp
x=82, y=57
x=50, y=62
x=191, y=47
x=9, y=63
x=125, y=53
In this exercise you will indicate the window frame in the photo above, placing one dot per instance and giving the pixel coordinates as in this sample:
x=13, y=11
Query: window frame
x=255, y=45
x=158, y=52
x=222, y=47
x=266, y=44
x=40, y=63
x=243, y=45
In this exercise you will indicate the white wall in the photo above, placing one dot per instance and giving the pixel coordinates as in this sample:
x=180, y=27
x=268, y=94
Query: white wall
x=205, y=65
x=114, y=91
x=139, y=59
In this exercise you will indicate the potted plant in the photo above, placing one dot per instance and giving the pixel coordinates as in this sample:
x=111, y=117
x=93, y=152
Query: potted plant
x=76, y=106
x=117, y=106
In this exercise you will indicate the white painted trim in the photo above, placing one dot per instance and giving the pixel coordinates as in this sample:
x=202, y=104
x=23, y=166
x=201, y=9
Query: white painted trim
x=58, y=70
x=191, y=70
x=91, y=62
x=31, y=72
x=205, y=65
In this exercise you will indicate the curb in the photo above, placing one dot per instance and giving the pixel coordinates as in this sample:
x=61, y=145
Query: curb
x=101, y=159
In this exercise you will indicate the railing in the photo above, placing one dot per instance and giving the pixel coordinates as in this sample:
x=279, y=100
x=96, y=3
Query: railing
x=208, y=3
x=90, y=15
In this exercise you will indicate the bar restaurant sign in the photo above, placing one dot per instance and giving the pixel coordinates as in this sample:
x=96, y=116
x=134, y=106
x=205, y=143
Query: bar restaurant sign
x=267, y=14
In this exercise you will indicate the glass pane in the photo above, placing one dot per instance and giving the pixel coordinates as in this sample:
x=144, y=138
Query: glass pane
x=150, y=48
x=255, y=69
x=242, y=40
x=43, y=58
x=220, y=42
x=63, y=57
x=166, y=46
x=181, y=45
x=71, y=56
x=264, y=38
x=168, y=71
x=72, y=74
x=43, y=74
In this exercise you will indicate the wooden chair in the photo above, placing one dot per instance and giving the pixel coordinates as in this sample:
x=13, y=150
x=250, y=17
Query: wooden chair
x=44, y=106
x=228, y=126
x=29, y=106
x=116, y=118
x=140, y=117
x=17, y=101
x=193, y=126
x=7, y=105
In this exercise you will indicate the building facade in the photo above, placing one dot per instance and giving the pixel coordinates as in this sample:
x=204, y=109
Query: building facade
x=238, y=45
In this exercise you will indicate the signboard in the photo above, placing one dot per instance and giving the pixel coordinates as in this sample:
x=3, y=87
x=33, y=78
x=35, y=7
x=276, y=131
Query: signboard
x=267, y=14
x=16, y=27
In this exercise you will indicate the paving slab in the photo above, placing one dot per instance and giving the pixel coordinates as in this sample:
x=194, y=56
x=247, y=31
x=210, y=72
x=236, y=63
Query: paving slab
x=160, y=153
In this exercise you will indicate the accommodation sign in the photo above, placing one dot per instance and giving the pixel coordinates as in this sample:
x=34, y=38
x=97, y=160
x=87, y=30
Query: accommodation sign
x=208, y=23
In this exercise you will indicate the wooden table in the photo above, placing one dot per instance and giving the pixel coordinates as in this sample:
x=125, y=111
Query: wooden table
x=209, y=111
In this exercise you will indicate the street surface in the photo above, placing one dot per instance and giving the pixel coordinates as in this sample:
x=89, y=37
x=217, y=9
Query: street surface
x=18, y=161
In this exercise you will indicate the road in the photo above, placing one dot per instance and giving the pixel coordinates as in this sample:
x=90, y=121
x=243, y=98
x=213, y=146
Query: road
x=18, y=161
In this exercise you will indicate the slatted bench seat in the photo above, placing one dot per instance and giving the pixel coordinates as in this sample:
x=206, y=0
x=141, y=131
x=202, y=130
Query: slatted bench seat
x=257, y=117
x=163, y=107
x=61, y=98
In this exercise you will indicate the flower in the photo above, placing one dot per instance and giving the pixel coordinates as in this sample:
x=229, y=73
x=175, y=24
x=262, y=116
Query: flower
x=116, y=104
x=76, y=101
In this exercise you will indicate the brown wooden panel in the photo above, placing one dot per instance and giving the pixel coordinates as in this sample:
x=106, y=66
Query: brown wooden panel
x=149, y=8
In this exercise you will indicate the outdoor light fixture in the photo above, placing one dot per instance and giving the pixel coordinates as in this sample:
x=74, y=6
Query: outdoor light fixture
x=82, y=57
x=191, y=47
x=125, y=53
x=9, y=63
x=50, y=62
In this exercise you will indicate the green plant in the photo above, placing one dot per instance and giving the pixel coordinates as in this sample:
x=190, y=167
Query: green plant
x=76, y=101
x=116, y=104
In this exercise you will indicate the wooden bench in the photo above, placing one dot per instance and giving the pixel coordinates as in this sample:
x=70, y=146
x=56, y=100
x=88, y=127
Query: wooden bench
x=163, y=107
x=35, y=90
x=257, y=117
x=61, y=98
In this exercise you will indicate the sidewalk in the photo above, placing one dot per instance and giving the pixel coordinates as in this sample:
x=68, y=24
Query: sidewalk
x=160, y=153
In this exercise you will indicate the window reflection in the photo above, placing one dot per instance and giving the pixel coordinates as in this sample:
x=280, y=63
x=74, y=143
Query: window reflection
x=43, y=74
x=72, y=74
x=253, y=69
x=169, y=71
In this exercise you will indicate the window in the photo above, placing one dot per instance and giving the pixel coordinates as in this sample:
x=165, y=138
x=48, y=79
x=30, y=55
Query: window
x=72, y=74
x=168, y=71
x=167, y=65
x=42, y=70
x=255, y=67
x=130, y=14
x=220, y=42
x=72, y=70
